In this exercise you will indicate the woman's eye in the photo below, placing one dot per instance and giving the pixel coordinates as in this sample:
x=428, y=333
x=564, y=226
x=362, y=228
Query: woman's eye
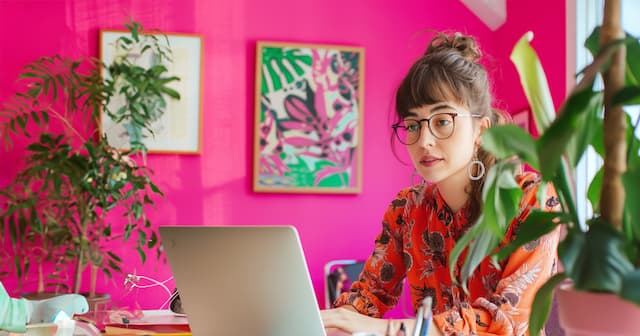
x=443, y=122
x=413, y=128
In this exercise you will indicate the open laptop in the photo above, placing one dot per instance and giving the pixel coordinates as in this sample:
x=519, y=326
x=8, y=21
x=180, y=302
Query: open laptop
x=242, y=280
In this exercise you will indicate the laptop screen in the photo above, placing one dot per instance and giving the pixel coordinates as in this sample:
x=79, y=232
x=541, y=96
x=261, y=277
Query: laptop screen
x=242, y=280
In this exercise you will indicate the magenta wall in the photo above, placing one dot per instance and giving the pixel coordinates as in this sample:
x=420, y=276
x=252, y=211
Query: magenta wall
x=546, y=19
x=214, y=188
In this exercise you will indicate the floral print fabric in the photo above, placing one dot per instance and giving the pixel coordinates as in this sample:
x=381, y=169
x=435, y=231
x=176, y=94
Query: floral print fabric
x=418, y=232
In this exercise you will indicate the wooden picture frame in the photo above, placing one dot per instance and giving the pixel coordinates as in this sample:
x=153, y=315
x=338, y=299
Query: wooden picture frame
x=309, y=102
x=179, y=130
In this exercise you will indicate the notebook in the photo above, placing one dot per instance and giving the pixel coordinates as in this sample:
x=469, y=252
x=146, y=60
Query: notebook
x=242, y=280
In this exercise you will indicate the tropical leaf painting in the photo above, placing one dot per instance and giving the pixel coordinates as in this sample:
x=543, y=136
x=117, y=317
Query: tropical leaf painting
x=308, y=118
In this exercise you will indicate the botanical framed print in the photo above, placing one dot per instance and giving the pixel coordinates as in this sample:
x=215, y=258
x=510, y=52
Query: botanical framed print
x=308, y=118
x=179, y=129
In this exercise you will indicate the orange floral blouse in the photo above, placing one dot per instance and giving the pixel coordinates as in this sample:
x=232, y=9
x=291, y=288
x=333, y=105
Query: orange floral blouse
x=418, y=233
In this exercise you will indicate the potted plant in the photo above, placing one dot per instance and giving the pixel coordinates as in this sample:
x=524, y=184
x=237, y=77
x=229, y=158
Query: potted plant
x=62, y=206
x=603, y=254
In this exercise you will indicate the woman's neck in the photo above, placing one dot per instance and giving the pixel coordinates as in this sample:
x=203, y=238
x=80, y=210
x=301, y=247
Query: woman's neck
x=453, y=191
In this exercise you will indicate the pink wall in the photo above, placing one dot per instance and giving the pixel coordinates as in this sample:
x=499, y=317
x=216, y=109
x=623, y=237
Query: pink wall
x=214, y=188
x=546, y=19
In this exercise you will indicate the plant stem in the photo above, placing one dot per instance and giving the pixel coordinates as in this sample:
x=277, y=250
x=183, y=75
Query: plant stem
x=78, y=275
x=67, y=124
x=612, y=193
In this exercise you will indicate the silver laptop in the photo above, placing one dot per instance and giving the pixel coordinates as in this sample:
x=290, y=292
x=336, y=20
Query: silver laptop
x=242, y=280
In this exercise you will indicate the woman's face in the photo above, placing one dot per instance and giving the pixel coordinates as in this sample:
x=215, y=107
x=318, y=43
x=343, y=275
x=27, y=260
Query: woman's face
x=443, y=159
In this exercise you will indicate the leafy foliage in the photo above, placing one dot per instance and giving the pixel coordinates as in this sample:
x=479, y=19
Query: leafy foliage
x=72, y=178
x=595, y=256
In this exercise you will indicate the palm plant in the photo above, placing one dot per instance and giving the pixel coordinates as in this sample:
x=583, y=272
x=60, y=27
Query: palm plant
x=61, y=199
x=603, y=254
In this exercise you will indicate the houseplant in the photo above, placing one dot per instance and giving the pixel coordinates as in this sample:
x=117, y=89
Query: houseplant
x=62, y=206
x=603, y=254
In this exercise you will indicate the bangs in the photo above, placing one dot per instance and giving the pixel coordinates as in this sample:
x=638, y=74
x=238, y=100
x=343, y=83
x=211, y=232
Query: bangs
x=427, y=85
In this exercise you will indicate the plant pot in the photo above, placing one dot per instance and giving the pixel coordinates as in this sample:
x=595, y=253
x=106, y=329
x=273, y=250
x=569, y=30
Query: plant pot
x=590, y=314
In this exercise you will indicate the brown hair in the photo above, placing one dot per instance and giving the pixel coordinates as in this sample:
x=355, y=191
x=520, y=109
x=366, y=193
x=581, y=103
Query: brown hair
x=449, y=71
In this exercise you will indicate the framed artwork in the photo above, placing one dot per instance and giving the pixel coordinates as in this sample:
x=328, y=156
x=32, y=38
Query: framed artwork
x=308, y=118
x=179, y=129
x=521, y=118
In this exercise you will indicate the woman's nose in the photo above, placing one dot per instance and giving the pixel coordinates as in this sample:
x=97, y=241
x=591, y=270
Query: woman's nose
x=426, y=137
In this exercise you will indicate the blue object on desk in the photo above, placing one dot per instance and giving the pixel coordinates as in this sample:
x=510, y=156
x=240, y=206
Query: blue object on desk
x=423, y=317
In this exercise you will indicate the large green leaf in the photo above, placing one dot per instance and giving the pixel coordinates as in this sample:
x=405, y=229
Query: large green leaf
x=506, y=141
x=501, y=195
x=631, y=287
x=631, y=182
x=632, y=68
x=570, y=126
x=542, y=304
x=599, y=263
x=593, y=193
x=534, y=81
x=537, y=224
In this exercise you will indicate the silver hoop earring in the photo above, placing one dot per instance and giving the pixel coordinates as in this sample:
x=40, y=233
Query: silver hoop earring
x=412, y=178
x=479, y=172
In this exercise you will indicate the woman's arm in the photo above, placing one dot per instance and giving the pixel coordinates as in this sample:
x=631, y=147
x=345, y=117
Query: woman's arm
x=347, y=319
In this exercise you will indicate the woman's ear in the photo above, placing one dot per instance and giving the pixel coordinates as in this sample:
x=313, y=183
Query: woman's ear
x=484, y=124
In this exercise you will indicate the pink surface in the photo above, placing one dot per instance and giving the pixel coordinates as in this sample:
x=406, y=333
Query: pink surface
x=214, y=188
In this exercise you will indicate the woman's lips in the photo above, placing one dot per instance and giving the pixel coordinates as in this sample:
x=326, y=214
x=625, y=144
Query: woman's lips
x=430, y=161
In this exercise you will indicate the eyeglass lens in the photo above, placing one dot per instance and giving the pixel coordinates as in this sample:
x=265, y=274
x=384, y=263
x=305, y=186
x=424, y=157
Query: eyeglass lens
x=440, y=125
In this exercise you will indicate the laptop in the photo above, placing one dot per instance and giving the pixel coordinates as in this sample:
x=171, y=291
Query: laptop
x=242, y=280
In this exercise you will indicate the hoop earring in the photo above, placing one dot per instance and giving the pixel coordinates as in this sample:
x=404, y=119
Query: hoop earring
x=480, y=171
x=412, y=178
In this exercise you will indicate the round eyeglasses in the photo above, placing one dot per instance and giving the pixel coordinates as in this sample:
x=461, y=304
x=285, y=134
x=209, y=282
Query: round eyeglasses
x=441, y=126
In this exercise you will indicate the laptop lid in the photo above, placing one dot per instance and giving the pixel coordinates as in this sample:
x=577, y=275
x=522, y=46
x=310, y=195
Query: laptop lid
x=242, y=280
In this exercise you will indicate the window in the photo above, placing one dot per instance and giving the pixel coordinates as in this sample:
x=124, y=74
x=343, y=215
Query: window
x=588, y=16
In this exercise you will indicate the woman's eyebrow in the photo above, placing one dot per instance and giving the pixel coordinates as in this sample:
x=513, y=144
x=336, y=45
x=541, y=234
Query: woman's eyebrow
x=433, y=110
x=441, y=107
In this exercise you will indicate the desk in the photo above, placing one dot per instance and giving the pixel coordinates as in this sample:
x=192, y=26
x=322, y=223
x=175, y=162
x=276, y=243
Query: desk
x=154, y=322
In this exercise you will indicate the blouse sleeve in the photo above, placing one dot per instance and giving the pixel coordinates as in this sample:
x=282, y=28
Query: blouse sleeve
x=507, y=311
x=380, y=284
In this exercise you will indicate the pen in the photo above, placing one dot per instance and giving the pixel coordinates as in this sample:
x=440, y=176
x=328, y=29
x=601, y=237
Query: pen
x=423, y=317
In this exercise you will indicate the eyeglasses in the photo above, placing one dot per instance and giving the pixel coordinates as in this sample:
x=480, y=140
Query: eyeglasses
x=441, y=125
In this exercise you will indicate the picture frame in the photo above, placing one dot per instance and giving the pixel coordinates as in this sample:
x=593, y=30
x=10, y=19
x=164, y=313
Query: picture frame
x=309, y=102
x=179, y=130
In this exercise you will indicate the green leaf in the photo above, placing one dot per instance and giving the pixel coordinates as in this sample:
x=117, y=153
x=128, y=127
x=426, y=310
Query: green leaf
x=542, y=304
x=154, y=239
x=629, y=95
x=537, y=224
x=114, y=256
x=171, y=92
x=506, y=141
x=460, y=247
x=534, y=81
x=631, y=183
x=571, y=125
x=631, y=287
x=593, y=194
x=599, y=263
x=143, y=256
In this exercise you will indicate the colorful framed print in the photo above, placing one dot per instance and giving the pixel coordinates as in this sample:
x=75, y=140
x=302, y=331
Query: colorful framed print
x=308, y=118
x=179, y=129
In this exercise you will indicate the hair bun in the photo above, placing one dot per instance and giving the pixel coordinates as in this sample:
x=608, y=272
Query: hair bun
x=464, y=44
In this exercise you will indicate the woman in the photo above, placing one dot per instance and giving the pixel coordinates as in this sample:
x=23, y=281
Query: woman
x=443, y=105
